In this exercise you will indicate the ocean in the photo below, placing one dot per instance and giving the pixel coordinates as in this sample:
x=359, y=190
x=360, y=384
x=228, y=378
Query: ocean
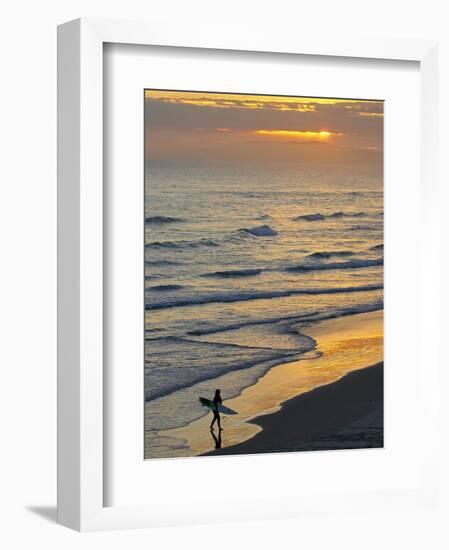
x=238, y=258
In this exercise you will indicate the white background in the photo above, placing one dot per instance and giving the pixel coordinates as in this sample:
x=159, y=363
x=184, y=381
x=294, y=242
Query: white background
x=28, y=275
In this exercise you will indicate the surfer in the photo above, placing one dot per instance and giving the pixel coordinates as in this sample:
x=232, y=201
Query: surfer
x=217, y=401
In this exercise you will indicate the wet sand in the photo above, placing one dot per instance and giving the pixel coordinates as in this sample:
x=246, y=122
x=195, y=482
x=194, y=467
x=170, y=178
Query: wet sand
x=347, y=414
x=346, y=344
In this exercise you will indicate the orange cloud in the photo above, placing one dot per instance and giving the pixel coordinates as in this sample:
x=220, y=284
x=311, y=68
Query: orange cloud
x=245, y=101
x=366, y=113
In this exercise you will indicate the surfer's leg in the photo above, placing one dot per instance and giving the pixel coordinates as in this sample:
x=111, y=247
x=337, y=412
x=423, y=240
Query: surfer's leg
x=213, y=421
x=219, y=424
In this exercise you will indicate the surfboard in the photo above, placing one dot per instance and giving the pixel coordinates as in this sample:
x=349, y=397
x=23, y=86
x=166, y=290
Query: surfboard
x=221, y=408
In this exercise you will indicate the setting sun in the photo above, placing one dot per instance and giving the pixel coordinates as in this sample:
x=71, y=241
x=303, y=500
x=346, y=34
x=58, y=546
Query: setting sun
x=304, y=135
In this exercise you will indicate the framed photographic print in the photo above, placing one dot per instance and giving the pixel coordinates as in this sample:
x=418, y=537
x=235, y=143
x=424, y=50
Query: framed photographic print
x=234, y=280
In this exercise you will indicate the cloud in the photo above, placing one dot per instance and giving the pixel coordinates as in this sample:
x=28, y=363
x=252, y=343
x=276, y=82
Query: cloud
x=365, y=113
x=199, y=125
x=179, y=116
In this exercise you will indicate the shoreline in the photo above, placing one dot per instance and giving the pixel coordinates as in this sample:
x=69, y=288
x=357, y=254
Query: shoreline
x=346, y=414
x=345, y=344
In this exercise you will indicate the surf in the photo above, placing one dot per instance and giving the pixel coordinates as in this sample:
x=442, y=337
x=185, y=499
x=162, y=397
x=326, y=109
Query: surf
x=230, y=297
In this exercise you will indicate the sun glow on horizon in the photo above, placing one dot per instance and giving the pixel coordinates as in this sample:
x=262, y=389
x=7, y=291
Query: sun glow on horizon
x=321, y=135
x=221, y=126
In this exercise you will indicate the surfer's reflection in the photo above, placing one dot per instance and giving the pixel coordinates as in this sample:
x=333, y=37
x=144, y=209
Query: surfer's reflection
x=217, y=439
x=217, y=401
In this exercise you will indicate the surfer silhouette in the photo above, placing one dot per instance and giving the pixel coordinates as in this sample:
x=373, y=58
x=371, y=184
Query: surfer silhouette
x=217, y=401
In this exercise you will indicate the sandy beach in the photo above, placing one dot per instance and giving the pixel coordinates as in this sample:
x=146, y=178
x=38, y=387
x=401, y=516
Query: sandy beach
x=331, y=398
x=347, y=414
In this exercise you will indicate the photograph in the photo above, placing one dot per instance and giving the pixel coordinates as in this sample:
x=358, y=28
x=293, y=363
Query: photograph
x=263, y=273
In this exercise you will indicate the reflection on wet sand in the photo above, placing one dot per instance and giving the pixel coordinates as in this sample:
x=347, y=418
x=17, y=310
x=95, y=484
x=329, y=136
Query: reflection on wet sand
x=346, y=343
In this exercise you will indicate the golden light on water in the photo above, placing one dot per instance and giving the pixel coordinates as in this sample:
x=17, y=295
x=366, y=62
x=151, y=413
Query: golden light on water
x=345, y=344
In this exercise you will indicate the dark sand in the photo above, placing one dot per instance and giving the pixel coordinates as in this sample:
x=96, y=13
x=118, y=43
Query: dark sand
x=347, y=414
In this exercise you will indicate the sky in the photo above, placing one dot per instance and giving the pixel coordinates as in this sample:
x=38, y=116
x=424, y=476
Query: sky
x=204, y=126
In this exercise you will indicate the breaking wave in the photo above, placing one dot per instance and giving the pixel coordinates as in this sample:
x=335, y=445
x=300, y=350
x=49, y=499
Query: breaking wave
x=182, y=244
x=228, y=297
x=260, y=231
x=327, y=255
x=350, y=264
x=233, y=273
x=366, y=227
x=159, y=220
x=165, y=288
x=319, y=217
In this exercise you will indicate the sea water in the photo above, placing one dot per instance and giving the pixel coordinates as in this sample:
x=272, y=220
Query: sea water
x=237, y=259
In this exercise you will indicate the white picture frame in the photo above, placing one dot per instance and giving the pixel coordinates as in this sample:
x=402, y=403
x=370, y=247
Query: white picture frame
x=81, y=489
